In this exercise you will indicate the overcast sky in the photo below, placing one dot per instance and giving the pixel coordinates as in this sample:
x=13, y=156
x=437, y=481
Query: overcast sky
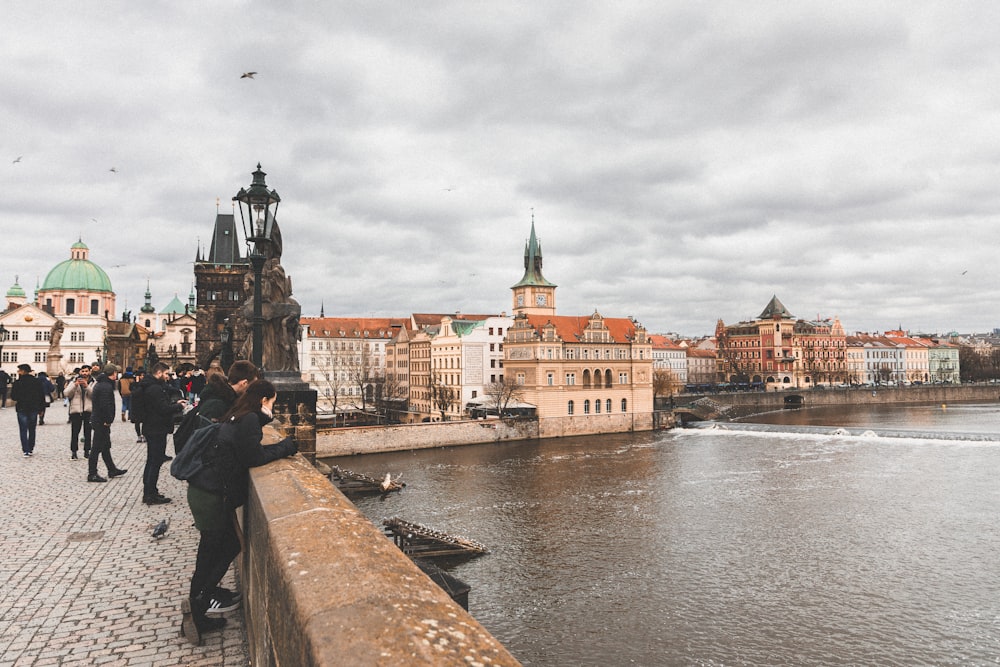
x=684, y=161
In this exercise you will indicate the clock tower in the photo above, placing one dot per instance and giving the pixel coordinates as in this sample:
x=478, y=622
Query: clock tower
x=533, y=294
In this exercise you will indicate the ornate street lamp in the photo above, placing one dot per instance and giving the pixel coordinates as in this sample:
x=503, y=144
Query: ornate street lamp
x=257, y=218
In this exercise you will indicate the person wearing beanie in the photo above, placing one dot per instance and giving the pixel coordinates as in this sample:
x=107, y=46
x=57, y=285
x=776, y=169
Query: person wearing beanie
x=102, y=416
x=29, y=396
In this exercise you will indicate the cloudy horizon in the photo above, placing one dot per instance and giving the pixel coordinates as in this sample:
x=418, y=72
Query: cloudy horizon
x=683, y=161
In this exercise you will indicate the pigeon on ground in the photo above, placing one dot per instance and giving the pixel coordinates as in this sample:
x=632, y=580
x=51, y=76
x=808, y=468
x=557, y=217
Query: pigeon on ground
x=161, y=528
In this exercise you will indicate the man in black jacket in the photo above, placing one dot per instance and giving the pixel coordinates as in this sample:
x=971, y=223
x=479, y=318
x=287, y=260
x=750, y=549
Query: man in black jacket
x=158, y=412
x=102, y=416
x=29, y=396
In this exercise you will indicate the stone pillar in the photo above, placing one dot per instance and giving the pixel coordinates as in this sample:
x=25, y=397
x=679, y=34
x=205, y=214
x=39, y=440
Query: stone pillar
x=53, y=365
x=295, y=410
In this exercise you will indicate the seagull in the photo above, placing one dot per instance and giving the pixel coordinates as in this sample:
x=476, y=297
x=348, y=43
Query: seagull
x=113, y=170
x=18, y=159
x=248, y=75
x=964, y=272
x=161, y=528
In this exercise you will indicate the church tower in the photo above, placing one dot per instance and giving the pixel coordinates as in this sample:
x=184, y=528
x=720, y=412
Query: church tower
x=533, y=294
x=219, y=284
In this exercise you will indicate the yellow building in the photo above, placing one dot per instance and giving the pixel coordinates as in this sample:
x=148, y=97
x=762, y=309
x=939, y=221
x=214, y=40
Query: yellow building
x=584, y=374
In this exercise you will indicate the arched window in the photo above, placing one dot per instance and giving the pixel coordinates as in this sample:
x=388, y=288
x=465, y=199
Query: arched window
x=569, y=408
x=586, y=378
x=597, y=406
x=597, y=378
x=586, y=407
x=624, y=405
x=607, y=379
x=607, y=406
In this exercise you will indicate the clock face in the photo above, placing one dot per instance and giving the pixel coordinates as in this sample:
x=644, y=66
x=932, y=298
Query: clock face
x=520, y=299
x=540, y=299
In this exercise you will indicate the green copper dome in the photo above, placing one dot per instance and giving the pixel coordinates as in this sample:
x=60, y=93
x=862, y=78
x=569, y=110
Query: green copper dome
x=16, y=290
x=77, y=273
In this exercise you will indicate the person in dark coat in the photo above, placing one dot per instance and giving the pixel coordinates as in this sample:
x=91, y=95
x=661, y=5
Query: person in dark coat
x=49, y=389
x=102, y=416
x=158, y=421
x=4, y=386
x=29, y=395
x=221, y=392
x=213, y=496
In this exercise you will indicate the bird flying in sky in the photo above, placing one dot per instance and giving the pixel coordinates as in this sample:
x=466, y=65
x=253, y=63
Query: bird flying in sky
x=113, y=170
x=248, y=75
x=17, y=160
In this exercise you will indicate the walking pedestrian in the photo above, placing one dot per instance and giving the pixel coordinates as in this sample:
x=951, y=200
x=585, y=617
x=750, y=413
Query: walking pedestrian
x=61, y=385
x=101, y=418
x=213, y=496
x=80, y=395
x=29, y=397
x=158, y=421
x=134, y=412
x=125, y=390
x=49, y=389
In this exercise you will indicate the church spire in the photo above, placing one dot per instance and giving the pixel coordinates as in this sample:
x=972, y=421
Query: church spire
x=148, y=306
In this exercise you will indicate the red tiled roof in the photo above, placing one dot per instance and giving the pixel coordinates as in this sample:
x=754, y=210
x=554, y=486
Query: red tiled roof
x=353, y=327
x=570, y=328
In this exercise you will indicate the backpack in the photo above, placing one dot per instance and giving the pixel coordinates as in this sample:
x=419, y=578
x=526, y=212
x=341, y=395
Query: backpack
x=190, y=422
x=137, y=407
x=194, y=460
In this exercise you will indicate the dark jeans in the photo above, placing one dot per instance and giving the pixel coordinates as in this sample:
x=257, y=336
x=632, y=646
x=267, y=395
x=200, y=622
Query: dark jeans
x=216, y=550
x=26, y=422
x=77, y=421
x=156, y=451
x=3, y=398
x=101, y=449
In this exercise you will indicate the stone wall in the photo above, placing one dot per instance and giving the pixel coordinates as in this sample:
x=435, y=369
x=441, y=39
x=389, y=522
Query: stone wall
x=323, y=586
x=402, y=437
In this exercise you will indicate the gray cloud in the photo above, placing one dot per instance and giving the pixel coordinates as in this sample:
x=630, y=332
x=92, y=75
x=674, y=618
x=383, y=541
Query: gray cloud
x=684, y=162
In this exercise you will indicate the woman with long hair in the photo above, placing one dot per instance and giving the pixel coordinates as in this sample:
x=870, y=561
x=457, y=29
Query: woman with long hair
x=214, y=497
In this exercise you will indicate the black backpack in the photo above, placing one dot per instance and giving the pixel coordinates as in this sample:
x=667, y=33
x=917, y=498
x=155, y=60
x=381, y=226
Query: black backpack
x=190, y=422
x=194, y=461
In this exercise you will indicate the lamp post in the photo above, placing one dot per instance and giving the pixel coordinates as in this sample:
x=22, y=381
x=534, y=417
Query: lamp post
x=257, y=218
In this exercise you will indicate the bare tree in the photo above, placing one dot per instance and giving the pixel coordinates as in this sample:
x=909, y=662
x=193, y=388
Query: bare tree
x=389, y=396
x=362, y=371
x=442, y=396
x=502, y=393
x=665, y=383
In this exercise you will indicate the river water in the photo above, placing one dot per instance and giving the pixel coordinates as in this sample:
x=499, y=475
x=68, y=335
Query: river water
x=784, y=545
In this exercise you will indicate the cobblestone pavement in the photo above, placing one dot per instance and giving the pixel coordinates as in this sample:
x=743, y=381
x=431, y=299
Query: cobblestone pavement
x=82, y=581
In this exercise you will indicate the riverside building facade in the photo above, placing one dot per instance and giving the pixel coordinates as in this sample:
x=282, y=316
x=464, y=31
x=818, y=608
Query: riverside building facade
x=583, y=374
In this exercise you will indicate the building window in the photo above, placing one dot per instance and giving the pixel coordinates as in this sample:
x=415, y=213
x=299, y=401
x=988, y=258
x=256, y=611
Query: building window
x=570, y=378
x=70, y=306
x=569, y=408
x=597, y=407
x=607, y=406
x=586, y=407
x=623, y=378
x=550, y=379
x=520, y=378
x=39, y=357
x=624, y=405
x=94, y=307
x=9, y=357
